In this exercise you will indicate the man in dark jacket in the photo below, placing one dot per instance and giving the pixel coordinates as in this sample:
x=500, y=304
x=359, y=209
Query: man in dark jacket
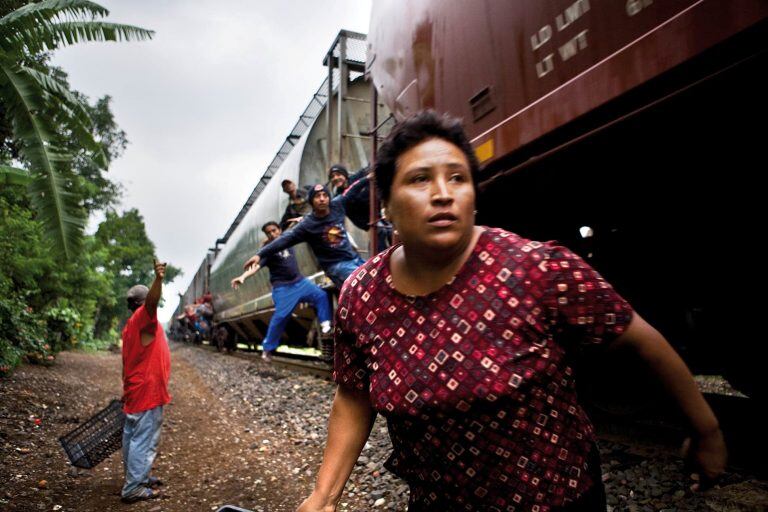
x=297, y=206
x=324, y=231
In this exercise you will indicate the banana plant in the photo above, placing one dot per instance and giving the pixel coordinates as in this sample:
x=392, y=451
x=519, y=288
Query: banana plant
x=29, y=97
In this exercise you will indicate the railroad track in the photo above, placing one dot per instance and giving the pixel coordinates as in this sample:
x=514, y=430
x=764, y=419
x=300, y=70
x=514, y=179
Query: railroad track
x=656, y=425
x=315, y=368
x=299, y=363
x=661, y=426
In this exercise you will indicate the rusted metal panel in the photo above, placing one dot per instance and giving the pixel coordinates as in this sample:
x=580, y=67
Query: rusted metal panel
x=515, y=71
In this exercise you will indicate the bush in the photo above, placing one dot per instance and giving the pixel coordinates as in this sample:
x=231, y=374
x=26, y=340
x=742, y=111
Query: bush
x=65, y=327
x=22, y=332
x=48, y=304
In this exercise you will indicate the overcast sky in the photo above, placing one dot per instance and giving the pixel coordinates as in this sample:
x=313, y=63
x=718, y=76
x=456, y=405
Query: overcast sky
x=206, y=104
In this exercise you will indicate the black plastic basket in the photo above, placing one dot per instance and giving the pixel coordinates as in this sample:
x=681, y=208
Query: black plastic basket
x=97, y=438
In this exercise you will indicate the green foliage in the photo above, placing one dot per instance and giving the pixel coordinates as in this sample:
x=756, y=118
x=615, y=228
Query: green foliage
x=60, y=289
x=22, y=332
x=129, y=258
x=48, y=304
x=96, y=190
x=14, y=176
x=23, y=263
x=42, y=115
x=109, y=340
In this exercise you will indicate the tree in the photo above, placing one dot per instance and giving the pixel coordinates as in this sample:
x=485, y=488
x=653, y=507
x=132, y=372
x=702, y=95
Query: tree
x=95, y=190
x=49, y=304
x=128, y=256
x=33, y=279
x=30, y=91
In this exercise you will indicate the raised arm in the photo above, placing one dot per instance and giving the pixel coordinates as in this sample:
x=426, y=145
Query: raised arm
x=287, y=239
x=357, y=191
x=156, y=290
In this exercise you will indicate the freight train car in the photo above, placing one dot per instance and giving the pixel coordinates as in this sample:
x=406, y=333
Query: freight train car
x=630, y=130
x=328, y=131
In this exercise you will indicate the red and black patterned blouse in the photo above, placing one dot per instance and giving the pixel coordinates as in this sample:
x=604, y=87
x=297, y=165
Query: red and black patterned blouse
x=474, y=379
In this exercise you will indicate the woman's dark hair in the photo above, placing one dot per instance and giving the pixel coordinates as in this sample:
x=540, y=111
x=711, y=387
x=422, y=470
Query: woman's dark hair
x=412, y=131
x=270, y=223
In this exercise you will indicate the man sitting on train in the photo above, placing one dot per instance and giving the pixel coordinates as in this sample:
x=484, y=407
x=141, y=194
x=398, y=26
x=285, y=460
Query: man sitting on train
x=340, y=180
x=298, y=206
x=357, y=190
x=324, y=231
x=289, y=288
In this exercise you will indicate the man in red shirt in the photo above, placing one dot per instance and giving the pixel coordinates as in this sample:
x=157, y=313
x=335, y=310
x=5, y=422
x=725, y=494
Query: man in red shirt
x=146, y=369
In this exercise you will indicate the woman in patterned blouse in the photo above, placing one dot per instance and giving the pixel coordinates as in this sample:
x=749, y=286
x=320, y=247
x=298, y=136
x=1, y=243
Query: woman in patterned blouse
x=459, y=336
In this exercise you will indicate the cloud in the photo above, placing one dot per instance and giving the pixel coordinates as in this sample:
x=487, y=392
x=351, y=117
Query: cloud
x=206, y=105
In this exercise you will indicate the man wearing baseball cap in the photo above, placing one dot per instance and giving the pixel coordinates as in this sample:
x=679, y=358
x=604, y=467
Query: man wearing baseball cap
x=146, y=371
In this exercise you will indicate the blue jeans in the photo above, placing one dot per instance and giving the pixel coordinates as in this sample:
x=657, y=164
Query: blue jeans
x=286, y=297
x=141, y=435
x=338, y=272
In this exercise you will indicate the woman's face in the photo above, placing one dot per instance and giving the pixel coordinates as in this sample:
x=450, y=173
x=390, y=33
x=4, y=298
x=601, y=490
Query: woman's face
x=432, y=200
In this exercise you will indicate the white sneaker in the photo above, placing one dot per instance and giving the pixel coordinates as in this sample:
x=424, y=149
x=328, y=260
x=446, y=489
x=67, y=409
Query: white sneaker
x=325, y=327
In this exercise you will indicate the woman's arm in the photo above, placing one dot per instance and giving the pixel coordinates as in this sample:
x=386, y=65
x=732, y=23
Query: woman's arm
x=707, y=450
x=349, y=426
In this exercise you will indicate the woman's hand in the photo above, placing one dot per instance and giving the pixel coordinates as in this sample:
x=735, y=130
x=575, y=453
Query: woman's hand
x=236, y=282
x=316, y=503
x=706, y=451
x=707, y=455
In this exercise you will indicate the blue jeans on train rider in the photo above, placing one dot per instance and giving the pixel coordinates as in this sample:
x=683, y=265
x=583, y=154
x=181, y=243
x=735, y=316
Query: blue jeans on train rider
x=141, y=435
x=338, y=272
x=286, y=297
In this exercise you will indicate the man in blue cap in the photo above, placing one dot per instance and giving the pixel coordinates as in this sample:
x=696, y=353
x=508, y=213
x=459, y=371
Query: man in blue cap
x=324, y=231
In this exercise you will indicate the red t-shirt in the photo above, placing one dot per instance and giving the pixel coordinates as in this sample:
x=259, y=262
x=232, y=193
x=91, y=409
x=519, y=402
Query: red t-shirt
x=475, y=380
x=146, y=370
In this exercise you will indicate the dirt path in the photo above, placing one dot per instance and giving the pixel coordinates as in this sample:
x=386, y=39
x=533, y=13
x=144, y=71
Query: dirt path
x=246, y=433
x=211, y=453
